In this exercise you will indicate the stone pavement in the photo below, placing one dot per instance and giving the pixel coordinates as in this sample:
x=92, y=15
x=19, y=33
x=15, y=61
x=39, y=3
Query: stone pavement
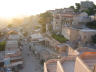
x=31, y=62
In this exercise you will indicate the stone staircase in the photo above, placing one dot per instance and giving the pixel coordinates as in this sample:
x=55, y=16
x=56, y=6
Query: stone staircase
x=52, y=67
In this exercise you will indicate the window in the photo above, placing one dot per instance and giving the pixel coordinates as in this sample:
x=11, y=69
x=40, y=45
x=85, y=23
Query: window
x=56, y=28
x=84, y=36
x=73, y=34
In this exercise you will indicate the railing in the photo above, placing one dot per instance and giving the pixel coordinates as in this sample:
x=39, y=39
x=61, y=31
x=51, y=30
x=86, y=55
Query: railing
x=94, y=70
x=45, y=67
x=59, y=67
x=51, y=60
x=67, y=20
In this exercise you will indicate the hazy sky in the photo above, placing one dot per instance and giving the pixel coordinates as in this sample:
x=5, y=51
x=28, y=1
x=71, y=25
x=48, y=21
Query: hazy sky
x=12, y=8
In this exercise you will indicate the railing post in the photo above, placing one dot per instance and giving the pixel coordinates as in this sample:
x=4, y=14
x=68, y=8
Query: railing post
x=94, y=69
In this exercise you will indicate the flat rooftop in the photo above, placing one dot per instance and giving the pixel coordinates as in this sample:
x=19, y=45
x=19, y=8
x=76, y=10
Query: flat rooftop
x=13, y=37
x=89, y=58
x=12, y=41
x=9, y=45
x=12, y=52
x=68, y=65
x=2, y=56
x=16, y=57
x=36, y=36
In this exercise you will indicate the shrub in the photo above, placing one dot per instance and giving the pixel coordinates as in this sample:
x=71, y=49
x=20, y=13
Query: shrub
x=37, y=27
x=2, y=45
x=91, y=25
x=59, y=38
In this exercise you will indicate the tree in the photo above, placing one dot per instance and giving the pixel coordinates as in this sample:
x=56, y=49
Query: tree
x=77, y=6
x=44, y=18
x=94, y=6
x=87, y=11
x=37, y=27
x=94, y=38
x=25, y=34
x=75, y=10
x=9, y=25
x=2, y=46
x=72, y=7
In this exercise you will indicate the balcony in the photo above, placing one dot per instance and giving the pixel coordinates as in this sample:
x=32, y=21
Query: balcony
x=67, y=20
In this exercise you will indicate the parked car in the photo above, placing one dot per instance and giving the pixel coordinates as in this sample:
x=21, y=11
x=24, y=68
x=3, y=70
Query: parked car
x=8, y=70
x=1, y=64
x=21, y=44
x=21, y=48
x=20, y=66
x=25, y=42
x=15, y=69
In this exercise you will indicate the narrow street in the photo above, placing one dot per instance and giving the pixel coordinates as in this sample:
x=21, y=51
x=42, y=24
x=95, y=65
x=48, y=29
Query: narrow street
x=31, y=62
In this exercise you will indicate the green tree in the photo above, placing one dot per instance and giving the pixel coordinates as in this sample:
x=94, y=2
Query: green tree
x=91, y=24
x=37, y=27
x=77, y=6
x=44, y=18
x=2, y=46
x=94, y=38
x=72, y=7
x=9, y=25
x=25, y=34
x=75, y=10
x=94, y=6
x=87, y=11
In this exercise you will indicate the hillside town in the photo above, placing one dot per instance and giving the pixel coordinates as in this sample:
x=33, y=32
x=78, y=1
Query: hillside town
x=60, y=40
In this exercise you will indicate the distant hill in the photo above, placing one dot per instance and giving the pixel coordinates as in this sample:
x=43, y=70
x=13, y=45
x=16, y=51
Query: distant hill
x=5, y=21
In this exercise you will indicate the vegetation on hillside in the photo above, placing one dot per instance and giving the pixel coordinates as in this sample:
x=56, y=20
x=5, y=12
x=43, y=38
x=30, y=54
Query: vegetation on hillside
x=89, y=11
x=94, y=38
x=91, y=25
x=59, y=38
x=2, y=45
x=44, y=18
x=37, y=27
x=25, y=34
x=9, y=25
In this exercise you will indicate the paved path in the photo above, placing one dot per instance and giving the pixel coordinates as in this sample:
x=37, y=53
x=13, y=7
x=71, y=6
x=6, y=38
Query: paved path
x=31, y=63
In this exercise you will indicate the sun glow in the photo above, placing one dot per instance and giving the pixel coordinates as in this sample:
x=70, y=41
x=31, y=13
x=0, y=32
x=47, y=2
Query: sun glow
x=12, y=8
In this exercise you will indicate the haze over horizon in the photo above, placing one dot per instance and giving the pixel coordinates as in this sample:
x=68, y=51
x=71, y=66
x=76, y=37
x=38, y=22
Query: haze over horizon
x=10, y=9
x=15, y=8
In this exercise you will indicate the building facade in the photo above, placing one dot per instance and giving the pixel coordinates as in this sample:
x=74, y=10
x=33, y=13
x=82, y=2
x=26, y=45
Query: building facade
x=86, y=4
x=74, y=34
x=81, y=16
x=63, y=19
x=70, y=33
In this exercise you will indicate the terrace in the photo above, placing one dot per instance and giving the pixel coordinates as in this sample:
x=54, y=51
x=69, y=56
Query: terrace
x=68, y=63
x=90, y=59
